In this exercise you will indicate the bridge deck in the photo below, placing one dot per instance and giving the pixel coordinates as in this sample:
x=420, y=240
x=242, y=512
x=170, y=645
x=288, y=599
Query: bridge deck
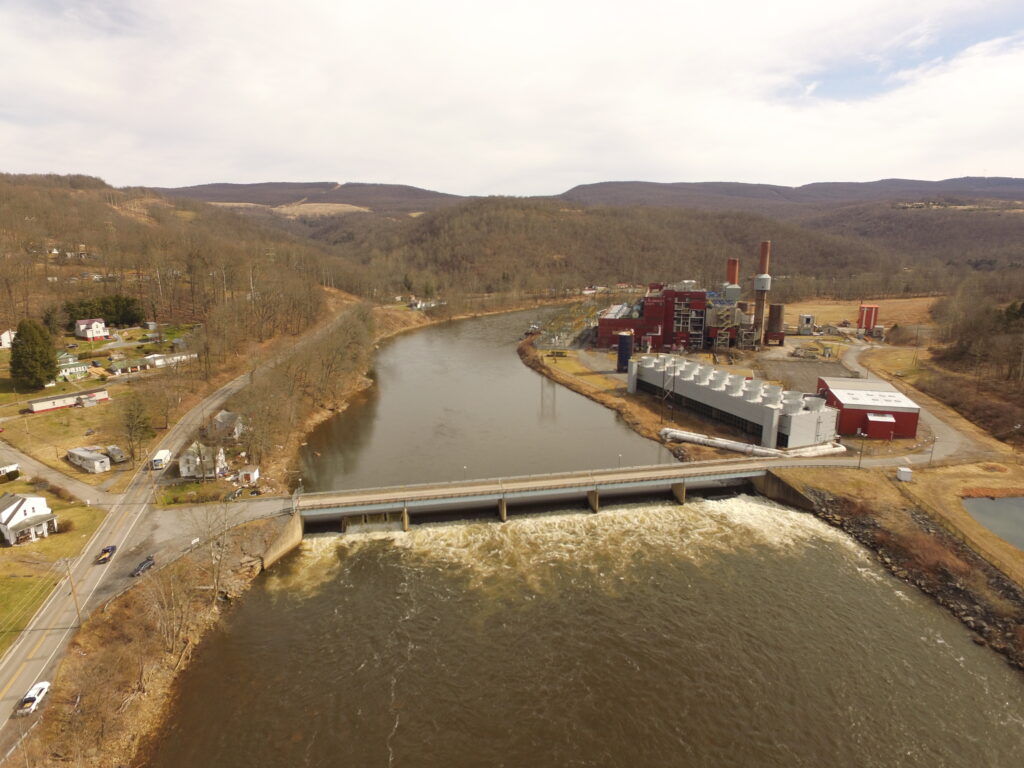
x=530, y=488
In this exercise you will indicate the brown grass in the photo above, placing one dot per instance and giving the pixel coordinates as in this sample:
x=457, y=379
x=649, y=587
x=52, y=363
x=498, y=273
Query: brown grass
x=901, y=311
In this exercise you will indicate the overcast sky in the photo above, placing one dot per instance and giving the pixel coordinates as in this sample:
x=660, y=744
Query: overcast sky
x=456, y=96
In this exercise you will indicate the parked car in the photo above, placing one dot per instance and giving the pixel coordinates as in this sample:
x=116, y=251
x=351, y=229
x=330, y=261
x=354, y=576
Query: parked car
x=144, y=566
x=72, y=346
x=105, y=554
x=30, y=701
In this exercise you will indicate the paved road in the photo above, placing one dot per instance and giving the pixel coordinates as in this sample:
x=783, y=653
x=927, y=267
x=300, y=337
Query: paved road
x=133, y=527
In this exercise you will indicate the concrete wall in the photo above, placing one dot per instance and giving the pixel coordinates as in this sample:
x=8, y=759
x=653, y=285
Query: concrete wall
x=289, y=539
x=775, y=488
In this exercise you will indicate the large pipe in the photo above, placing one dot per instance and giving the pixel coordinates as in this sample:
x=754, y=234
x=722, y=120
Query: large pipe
x=681, y=436
x=732, y=271
x=766, y=257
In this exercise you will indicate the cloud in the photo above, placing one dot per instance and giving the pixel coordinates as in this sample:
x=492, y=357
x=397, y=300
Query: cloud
x=532, y=99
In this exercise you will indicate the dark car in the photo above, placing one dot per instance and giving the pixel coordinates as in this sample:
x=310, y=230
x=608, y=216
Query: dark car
x=144, y=566
x=105, y=554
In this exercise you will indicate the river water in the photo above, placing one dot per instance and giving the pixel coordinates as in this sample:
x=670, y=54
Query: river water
x=729, y=632
x=454, y=401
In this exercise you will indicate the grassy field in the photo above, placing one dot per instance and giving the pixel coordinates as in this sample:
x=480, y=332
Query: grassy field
x=901, y=311
x=193, y=493
x=29, y=572
x=48, y=436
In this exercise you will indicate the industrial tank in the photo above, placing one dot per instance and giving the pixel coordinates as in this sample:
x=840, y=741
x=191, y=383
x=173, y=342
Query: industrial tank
x=625, y=351
x=775, y=318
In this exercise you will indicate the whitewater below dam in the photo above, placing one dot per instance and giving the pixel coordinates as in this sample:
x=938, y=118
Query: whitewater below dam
x=726, y=632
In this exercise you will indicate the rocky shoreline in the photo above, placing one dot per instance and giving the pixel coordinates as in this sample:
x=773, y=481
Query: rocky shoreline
x=994, y=612
x=921, y=553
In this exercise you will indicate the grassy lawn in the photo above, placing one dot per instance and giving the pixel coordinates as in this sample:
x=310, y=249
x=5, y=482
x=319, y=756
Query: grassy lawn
x=193, y=492
x=29, y=572
x=48, y=436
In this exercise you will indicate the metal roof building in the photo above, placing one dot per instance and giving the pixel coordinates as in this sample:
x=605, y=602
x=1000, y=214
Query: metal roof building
x=871, y=407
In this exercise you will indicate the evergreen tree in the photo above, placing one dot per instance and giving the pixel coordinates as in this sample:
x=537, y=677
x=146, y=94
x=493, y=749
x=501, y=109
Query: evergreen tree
x=33, y=358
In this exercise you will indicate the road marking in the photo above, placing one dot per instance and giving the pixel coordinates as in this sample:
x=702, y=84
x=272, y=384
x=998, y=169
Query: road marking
x=6, y=688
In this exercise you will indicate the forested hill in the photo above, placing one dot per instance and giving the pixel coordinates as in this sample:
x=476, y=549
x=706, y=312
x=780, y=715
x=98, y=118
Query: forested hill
x=69, y=238
x=502, y=244
x=380, y=198
x=792, y=201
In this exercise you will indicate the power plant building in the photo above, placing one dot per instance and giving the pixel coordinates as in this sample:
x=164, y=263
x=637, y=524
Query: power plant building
x=777, y=418
x=683, y=316
x=870, y=407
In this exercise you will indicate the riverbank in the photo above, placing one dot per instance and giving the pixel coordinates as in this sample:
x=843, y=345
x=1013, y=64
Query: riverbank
x=111, y=694
x=390, y=322
x=924, y=547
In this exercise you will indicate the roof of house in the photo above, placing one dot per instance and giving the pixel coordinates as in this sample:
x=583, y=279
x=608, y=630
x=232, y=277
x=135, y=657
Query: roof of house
x=90, y=321
x=83, y=393
x=11, y=504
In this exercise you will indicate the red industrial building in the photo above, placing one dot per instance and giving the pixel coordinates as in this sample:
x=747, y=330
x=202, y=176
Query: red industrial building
x=683, y=316
x=871, y=408
x=867, y=316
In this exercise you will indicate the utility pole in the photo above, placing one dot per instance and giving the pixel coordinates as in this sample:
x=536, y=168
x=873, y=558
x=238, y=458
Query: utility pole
x=74, y=594
x=931, y=453
x=860, y=458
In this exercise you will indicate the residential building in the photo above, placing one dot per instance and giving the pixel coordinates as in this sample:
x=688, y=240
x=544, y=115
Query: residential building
x=91, y=329
x=133, y=365
x=70, y=368
x=7, y=338
x=81, y=399
x=175, y=358
x=226, y=426
x=89, y=459
x=249, y=475
x=25, y=518
x=202, y=461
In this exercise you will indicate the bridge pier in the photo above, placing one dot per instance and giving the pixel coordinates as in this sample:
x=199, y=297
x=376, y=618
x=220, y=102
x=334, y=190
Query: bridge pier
x=679, y=491
x=502, y=509
x=405, y=519
x=594, y=500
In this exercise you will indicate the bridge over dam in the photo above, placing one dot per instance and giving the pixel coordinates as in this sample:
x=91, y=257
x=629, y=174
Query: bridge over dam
x=400, y=504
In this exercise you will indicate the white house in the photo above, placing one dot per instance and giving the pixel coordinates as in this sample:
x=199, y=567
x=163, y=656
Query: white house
x=7, y=338
x=82, y=399
x=91, y=329
x=25, y=518
x=70, y=368
x=89, y=460
x=202, y=461
x=249, y=474
x=162, y=361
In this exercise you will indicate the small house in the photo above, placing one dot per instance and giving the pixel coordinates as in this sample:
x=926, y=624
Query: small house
x=25, y=518
x=95, y=328
x=150, y=325
x=7, y=338
x=133, y=365
x=81, y=399
x=226, y=426
x=89, y=460
x=249, y=475
x=9, y=472
x=70, y=368
x=173, y=359
x=202, y=461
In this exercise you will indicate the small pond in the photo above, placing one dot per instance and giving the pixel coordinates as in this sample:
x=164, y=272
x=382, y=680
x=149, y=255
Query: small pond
x=1004, y=517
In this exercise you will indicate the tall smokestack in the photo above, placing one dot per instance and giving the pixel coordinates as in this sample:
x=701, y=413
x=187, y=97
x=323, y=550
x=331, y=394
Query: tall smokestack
x=732, y=271
x=762, y=284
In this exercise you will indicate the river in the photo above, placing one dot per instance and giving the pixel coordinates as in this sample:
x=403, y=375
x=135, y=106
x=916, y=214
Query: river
x=730, y=632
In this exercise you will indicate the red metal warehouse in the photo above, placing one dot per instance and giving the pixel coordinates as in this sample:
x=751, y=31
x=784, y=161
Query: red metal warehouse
x=870, y=407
